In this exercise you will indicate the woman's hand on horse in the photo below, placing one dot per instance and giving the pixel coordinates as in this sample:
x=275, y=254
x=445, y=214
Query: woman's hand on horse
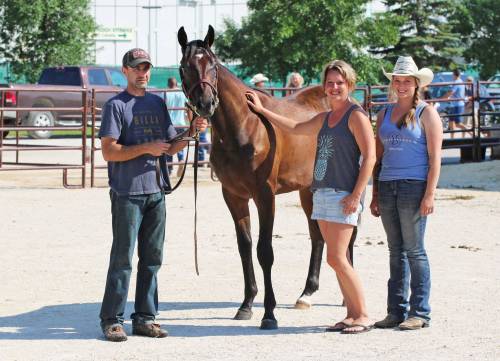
x=253, y=101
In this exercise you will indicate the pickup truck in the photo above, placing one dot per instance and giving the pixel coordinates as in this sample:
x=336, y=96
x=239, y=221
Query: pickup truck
x=42, y=95
x=7, y=100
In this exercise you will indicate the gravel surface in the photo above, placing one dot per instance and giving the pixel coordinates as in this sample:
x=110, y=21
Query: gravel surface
x=55, y=249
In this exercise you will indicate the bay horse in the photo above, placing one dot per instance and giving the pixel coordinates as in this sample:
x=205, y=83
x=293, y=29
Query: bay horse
x=254, y=159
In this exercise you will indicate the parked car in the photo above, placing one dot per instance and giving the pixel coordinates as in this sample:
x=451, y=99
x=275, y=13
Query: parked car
x=8, y=99
x=494, y=89
x=487, y=102
x=72, y=78
x=378, y=95
x=438, y=90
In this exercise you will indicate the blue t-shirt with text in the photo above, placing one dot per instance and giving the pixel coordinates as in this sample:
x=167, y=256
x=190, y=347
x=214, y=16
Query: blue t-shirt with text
x=405, y=149
x=133, y=120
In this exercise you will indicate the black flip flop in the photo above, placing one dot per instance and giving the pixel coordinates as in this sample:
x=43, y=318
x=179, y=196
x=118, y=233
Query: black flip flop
x=338, y=327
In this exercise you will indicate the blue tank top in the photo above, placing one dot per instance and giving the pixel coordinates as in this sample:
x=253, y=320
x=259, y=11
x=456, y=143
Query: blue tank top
x=405, y=150
x=337, y=155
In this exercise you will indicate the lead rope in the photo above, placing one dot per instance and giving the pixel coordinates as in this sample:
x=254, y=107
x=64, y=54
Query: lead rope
x=196, y=147
x=159, y=175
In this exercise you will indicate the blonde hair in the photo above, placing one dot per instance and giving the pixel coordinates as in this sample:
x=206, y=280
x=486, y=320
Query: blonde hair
x=410, y=117
x=298, y=76
x=343, y=69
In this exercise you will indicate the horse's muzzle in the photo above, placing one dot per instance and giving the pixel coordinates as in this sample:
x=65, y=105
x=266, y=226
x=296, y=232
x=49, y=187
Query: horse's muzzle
x=206, y=108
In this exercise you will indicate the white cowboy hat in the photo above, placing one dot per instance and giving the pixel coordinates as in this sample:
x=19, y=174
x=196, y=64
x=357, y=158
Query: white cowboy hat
x=405, y=66
x=257, y=78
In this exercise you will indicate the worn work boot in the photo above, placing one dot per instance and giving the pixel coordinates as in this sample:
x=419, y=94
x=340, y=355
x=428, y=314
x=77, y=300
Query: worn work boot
x=115, y=333
x=413, y=323
x=149, y=330
x=390, y=321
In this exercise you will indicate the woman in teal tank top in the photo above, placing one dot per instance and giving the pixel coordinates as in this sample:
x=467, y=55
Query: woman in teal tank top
x=344, y=134
x=409, y=136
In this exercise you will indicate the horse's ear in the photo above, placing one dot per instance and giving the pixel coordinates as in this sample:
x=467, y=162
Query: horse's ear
x=182, y=37
x=209, y=39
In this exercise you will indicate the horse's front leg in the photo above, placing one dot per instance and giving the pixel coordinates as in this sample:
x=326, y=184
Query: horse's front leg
x=265, y=207
x=317, y=244
x=241, y=217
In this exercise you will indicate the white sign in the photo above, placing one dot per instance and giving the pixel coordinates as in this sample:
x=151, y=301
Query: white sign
x=115, y=34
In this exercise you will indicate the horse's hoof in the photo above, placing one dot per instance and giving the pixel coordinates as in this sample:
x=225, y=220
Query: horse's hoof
x=303, y=303
x=243, y=314
x=268, y=324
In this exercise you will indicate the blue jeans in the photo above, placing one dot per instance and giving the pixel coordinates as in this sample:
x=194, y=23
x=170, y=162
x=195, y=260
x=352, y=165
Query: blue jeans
x=457, y=109
x=140, y=217
x=399, y=205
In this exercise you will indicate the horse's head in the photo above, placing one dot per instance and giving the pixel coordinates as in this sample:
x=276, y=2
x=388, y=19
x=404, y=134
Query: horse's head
x=199, y=72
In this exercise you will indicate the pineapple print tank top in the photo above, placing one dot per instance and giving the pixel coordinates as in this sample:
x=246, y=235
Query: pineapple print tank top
x=337, y=155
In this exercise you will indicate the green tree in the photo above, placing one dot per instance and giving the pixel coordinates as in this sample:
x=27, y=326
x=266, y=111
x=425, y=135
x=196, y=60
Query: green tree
x=426, y=32
x=283, y=36
x=39, y=33
x=479, y=22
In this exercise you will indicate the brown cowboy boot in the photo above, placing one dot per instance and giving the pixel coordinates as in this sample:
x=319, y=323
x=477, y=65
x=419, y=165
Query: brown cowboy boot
x=149, y=330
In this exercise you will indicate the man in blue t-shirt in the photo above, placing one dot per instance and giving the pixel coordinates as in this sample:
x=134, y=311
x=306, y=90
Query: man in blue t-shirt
x=135, y=130
x=457, y=107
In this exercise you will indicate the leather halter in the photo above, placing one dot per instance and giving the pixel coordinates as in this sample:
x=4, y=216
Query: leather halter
x=199, y=83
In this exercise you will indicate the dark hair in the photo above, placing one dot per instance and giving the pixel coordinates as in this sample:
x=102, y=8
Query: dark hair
x=456, y=72
x=172, y=82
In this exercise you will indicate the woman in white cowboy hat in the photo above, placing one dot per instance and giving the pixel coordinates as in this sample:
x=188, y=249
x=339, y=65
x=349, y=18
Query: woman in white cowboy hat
x=258, y=80
x=408, y=142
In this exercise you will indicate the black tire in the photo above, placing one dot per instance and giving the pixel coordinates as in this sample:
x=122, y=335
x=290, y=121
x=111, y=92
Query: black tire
x=487, y=120
x=444, y=120
x=40, y=119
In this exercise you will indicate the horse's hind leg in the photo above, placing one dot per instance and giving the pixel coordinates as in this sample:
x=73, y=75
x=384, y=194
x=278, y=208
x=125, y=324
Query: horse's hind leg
x=317, y=244
x=265, y=207
x=241, y=217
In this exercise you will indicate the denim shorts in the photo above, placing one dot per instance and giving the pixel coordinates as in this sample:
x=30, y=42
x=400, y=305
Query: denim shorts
x=327, y=207
x=460, y=109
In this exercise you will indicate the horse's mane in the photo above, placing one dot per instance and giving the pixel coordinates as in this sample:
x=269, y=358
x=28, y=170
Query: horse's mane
x=309, y=96
x=239, y=81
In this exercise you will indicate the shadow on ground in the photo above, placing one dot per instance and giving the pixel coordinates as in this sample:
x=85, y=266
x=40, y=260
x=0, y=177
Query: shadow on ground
x=79, y=321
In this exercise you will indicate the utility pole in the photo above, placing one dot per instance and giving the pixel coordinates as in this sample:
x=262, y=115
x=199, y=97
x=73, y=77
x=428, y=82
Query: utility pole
x=149, y=8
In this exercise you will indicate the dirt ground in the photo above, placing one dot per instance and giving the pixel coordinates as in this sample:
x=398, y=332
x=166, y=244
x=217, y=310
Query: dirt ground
x=55, y=249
